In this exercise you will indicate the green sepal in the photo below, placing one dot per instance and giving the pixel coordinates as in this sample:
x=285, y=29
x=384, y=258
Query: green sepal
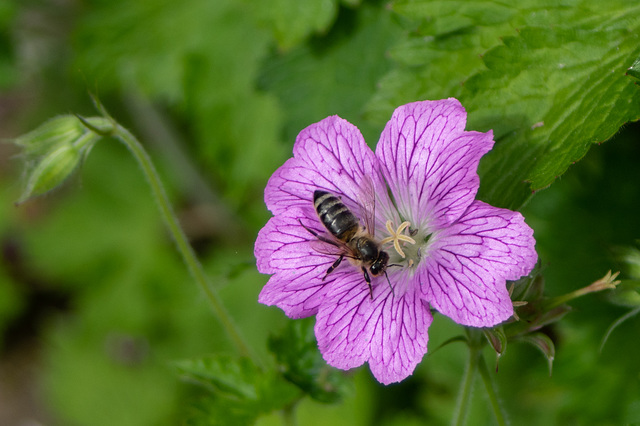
x=530, y=287
x=497, y=339
x=534, y=316
x=544, y=344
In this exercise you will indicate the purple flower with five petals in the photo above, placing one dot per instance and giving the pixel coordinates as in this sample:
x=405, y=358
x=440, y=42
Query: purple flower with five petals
x=448, y=251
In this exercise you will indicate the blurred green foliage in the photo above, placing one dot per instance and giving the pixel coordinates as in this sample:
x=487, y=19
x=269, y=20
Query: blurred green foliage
x=243, y=390
x=93, y=296
x=548, y=77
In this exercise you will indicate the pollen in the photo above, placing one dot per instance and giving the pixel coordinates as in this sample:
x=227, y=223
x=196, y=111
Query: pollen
x=397, y=236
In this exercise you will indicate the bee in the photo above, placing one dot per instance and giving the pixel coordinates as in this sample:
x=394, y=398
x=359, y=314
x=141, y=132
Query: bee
x=352, y=240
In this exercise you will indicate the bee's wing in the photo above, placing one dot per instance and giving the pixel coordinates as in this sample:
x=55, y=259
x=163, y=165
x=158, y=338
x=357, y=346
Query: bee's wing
x=367, y=204
x=326, y=243
x=331, y=247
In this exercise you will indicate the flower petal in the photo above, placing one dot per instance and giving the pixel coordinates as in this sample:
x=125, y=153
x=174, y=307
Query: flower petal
x=430, y=162
x=284, y=248
x=389, y=332
x=466, y=267
x=330, y=155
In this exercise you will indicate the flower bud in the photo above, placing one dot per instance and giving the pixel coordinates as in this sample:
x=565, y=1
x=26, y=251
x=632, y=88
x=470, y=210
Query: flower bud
x=53, y=151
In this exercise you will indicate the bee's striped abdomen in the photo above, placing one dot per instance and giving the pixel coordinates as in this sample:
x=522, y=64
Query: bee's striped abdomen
x=335, y=216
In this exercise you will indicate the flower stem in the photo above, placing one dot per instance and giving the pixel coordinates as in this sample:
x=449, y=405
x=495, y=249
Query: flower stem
x=605, y=283
x=464, y=398
x=289, y=414
x=180, y=238
x=491, y=392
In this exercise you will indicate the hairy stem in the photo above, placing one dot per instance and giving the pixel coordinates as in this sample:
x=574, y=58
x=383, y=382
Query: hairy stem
x=464, y=397
x=491, y=392
x=180, y=238
x=289, y=414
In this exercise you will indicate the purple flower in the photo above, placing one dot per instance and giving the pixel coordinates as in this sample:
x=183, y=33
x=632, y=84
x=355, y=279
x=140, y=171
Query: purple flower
x=447, y=250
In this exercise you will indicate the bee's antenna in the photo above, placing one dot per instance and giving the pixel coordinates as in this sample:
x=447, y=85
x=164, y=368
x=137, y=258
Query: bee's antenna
x=390, y=286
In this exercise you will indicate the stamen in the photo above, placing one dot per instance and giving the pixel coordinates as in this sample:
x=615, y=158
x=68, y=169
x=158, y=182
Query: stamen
x=397, y=236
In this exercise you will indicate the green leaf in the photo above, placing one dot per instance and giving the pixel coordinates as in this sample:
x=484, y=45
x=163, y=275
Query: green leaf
x=548, y=78
x=634, y=70
x=200, y=59
x=585, y=99
x=333, y=74
x=210, y=411
x=292, y=21
x=445, y=44
x=228, y=375
x=241, y=391
x=298, y=358
x=151, y=45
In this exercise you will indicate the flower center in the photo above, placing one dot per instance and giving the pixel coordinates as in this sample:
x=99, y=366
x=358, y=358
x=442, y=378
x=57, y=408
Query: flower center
x=408, y=255
x=398, y=237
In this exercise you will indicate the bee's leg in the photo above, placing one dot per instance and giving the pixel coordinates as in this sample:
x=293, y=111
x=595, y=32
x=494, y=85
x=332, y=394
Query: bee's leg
x=314, y=233
x=368, y=280
x=334, y=266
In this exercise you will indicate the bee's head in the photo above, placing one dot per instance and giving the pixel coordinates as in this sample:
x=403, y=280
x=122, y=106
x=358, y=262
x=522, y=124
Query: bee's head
x=380, y=264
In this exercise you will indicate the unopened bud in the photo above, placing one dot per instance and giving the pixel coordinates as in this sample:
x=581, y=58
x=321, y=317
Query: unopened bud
x=53, y=151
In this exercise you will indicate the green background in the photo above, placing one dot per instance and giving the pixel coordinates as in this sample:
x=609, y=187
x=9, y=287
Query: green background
x=95, y=304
